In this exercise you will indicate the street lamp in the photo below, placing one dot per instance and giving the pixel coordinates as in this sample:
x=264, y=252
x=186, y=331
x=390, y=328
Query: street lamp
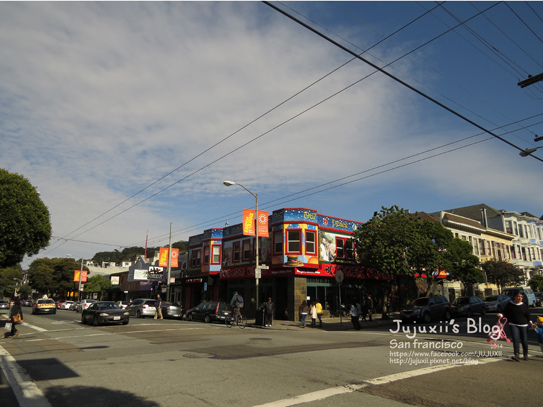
x=257, y=267
x=528, y=151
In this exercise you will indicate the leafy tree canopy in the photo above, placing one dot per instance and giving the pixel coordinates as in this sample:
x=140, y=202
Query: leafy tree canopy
x=53, y=276
x=502, y=273
x=97, y=283
x=536, y=283
x=131, y=253
x=25, y=226
x=9, y=278
x=462, y=264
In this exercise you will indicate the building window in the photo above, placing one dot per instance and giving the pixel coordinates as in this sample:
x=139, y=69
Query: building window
x=310, y=244
x=349, y=249
x=278, y=242
x=236, y=252
x=195, y=258
x=216, y=255
x=206, y=255
x=246, y=250
x=340, y=248
x=294, y=241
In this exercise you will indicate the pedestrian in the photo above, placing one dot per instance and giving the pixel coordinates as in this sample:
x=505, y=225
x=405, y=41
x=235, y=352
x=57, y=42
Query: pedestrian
x=304, y=310
x=518, y=317
x=318, y=305
x=158, y=307
x=539, y=331
x=269, y=309
x=15, y=316
x=369, y=304
x=354, y=317
x=358, y=310
x=364, y=310
x=313, y=312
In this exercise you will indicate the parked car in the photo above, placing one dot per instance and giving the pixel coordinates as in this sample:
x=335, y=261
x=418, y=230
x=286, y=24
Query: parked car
x=170, y=310
x=4, y=304
x=84, y=304
x=142, y=307
x=66, y=305
x=496, y=303
x=104, y=312
x=73, y=307
x=467, y=306
x=59, y=303
x=44, y=306
x=123, y=304
x=426, y=309
x=209, y=311
x=538, y=298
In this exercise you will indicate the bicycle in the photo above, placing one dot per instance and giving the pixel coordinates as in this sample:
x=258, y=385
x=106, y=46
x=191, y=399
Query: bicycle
x=241, y=321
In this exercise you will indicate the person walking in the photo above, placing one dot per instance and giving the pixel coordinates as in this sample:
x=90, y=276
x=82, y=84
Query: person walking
x=158, y=307
x=269, y=309
x=304, y=310
x=369, y=304
x=313, y=312
x=318, y=305
x=15, y=316
x=518, y=317
x=354, y=317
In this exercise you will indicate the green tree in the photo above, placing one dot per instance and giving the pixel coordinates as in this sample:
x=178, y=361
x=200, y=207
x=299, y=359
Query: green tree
x=9, y=278
x=97, y=283
x=386, y=244
x=25, y=225
x=502, y=273
x=463, y=265
x=536, y=283
x=53, y=276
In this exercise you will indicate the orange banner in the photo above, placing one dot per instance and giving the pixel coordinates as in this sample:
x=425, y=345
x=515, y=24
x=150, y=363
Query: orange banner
x=163, y=257
x=249, y=223
x=83, y=276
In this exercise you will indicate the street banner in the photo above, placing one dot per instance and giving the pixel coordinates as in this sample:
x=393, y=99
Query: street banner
x=83, y=276
x=163, y=257
x=249, y=223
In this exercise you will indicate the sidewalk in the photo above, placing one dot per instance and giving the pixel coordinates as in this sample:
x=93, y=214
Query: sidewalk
x=331, y=324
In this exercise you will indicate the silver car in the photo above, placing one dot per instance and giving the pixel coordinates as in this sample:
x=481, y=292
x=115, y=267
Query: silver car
x=142, y=307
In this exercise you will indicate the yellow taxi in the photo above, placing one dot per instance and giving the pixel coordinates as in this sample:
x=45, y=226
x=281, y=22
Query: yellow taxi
x=44, y=306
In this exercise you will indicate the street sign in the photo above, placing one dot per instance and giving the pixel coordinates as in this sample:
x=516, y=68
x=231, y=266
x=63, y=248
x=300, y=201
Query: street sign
x=339, y=276
x=258, y=273
x=264, y=267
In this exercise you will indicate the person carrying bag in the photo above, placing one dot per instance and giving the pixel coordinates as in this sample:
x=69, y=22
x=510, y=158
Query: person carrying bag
x=15, y=316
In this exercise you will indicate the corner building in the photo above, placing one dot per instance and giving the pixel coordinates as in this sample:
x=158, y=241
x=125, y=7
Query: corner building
x=304, y=252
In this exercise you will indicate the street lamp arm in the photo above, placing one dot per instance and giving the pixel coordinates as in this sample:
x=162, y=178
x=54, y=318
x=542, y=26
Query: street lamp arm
x=229, y=183
x=528, y=151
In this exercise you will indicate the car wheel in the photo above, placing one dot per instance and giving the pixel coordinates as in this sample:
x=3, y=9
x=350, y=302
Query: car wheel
x=138, y=314
x=189, y=317
x=426, y=318
x=95, y=321
x=207, y=319
x=54, y=312
x=83, y=320
x=125, y=322
x=447, y=315
x=499, y=309
x=469, y=313
x=483, y=311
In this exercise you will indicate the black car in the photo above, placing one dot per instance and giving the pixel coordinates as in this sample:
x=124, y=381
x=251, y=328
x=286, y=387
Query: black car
x=170, y=310
x=104, y=312
x=209, y=311
x=427, y=309
x=467, y=306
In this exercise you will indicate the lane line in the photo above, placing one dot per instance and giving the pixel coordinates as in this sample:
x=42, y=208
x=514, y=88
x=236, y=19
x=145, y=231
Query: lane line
x=335, y=391
x=26, y=391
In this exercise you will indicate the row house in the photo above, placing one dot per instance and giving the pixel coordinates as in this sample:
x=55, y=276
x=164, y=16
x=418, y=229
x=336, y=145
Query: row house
x=303, y=253
x=526, y=248
x=488, y=244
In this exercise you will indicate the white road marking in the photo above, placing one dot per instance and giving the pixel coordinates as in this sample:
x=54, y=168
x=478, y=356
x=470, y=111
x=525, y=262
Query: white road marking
x=26, y=391
x=334, y=391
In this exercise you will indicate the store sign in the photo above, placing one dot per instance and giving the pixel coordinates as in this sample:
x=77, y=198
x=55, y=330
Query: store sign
x=155, y=274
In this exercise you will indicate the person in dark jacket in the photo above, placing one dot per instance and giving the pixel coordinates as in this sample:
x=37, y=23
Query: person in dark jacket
x=269, y=309
x=518, y=317
x=15, y=316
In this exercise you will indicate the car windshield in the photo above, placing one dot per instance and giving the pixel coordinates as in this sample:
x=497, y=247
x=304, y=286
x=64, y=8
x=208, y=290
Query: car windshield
x=420, y=302
x=491, y=298
x=107, y=305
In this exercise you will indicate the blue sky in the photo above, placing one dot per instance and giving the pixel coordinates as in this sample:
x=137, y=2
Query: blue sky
x=130, y=115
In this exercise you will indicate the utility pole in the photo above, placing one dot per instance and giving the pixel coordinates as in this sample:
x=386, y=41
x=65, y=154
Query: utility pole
x=531, y=80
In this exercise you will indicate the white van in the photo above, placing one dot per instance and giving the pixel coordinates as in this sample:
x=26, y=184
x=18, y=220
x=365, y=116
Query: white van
x=527, y=293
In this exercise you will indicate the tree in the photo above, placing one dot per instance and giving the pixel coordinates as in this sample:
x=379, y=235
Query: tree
x=462, y=264
x=536, y=283
x=502, y=273
x=386, y=244
x=9, y=278
x=53, y=276
x=25, y=226
x=97, y=283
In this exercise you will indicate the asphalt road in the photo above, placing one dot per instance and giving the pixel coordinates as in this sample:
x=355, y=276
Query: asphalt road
x=172, y=363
